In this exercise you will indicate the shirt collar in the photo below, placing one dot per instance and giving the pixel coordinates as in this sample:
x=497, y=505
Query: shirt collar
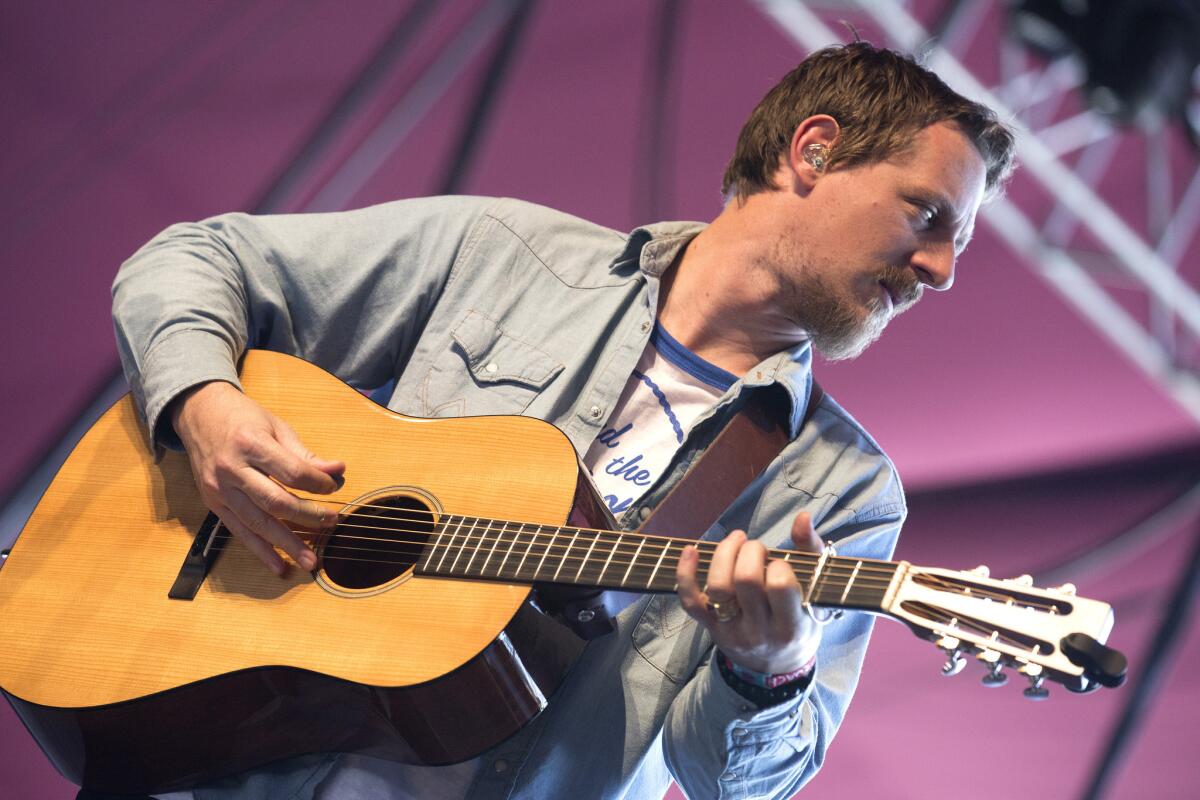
x=656, y=246
x=791, y=369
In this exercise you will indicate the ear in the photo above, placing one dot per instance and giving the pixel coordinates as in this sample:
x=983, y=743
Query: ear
x=821, y=130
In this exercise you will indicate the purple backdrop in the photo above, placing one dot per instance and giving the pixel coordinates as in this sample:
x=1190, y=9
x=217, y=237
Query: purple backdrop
x=123, y=117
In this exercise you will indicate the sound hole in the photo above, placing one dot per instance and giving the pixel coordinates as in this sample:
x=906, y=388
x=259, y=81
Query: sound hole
x=377, y=542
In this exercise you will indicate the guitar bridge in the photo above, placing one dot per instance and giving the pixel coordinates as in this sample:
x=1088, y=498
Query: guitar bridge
x=199, y=560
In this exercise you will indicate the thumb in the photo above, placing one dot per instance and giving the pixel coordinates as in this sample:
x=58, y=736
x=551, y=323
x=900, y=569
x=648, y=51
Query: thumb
x=288, y=438
x=803, y=534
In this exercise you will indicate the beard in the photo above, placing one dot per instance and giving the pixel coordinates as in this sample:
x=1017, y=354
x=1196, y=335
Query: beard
x=839, y=324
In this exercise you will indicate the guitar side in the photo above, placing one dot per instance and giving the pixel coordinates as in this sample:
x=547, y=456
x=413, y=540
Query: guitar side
x=128, y=690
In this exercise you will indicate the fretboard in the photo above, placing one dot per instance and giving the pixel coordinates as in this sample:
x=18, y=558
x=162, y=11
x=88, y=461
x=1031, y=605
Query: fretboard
x=515, y=552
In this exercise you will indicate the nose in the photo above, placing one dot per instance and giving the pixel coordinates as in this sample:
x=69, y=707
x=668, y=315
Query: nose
x=934, y=266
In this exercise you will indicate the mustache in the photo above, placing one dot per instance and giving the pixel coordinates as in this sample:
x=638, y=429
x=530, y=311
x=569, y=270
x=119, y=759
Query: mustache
x=903, y=284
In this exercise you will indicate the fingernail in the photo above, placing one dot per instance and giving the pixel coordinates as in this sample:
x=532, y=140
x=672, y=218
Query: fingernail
x=338, y=481
x=308, y=560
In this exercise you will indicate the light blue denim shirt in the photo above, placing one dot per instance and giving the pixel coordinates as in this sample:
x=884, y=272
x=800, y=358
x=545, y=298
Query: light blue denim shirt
x=485, y=306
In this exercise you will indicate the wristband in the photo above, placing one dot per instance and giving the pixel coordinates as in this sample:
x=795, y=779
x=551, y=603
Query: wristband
x=764, y=690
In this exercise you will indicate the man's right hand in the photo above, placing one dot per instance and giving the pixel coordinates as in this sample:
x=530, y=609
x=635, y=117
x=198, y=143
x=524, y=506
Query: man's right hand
x=236, y=448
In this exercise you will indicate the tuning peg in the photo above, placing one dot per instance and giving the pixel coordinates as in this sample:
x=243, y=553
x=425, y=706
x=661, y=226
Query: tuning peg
x=1023, y=580
x=1035, y=691
x=1067, y=589
x=982, y=571
x=954, y=659
x=995, y=670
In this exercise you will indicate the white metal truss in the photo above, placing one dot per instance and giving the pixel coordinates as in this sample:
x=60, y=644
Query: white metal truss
x=1164, y=340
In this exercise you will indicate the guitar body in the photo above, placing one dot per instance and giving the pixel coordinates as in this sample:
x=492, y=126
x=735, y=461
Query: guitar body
x=129, y=690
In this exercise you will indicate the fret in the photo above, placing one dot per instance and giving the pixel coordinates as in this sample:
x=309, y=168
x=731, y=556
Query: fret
x=450, y=543
x=849, y=583
x=444, y=523
x=607, y=561
x=566, y=555
x=532, y=538
x=661, y=556
x=586, y=556
x=508, y=552
x=474, y=552
x=537, y=570
x=492, y=550
x=634, y=560
x=466, y=538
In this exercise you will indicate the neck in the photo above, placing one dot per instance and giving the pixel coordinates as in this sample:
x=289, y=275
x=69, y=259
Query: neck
x=488, y=549
x=718, y=301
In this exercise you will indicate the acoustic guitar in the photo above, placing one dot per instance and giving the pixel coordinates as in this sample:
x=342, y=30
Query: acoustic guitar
x=146, y=651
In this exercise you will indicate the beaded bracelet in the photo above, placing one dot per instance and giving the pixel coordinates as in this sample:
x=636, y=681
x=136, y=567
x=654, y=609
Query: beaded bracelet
x=764, y=690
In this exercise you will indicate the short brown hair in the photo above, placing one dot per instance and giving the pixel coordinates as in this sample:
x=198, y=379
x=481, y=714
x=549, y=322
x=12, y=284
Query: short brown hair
x=880, y=99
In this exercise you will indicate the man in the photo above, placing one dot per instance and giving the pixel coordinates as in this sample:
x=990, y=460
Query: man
x=855, y=185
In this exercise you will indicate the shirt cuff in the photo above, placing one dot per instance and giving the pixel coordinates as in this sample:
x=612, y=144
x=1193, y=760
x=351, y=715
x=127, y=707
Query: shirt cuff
x=176, y=363
x=723, y=702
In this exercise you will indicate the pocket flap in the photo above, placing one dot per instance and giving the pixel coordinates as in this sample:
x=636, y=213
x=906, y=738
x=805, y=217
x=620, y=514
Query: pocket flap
x=494, y=355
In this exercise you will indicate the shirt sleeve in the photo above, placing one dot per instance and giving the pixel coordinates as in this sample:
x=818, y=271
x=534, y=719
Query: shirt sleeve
x=347, y=291
x=719, y=745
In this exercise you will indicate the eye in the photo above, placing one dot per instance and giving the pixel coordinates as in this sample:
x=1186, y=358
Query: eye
x=928, y=215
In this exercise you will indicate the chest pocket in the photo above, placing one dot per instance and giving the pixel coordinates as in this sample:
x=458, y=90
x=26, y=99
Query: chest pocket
x=487, y=370
x=668, y=638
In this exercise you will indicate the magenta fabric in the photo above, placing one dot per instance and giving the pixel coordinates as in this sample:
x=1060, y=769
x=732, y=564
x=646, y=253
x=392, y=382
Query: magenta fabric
x=122, y=117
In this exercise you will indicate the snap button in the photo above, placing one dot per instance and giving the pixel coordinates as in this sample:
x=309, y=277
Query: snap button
x=595, y=411
x=645, y=326
x=728, y=776
x=738, y=733
x=499, y=765
x=492, y=367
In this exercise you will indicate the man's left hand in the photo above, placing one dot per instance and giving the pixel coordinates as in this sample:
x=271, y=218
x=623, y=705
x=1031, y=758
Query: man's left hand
x=753, y=609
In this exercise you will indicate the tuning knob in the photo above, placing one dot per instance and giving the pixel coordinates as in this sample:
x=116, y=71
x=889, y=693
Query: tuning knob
x=1023, y=580
x=954, y=658
x=1035, y=690
x=1067, y=589
x=995, y=670
x=982, y=571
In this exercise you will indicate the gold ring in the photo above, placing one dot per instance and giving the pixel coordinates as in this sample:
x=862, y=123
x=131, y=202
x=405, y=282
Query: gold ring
x=725, y=611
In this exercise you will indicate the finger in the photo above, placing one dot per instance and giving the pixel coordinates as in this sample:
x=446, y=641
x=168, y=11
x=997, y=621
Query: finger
x=332, y=470
x=690, y=596
x=803, y=535
x=261, y=550
x=749, y=580
x=270, y=529
x=719, y=585
x=271, y=457
x=283, y=505
x=785, y=599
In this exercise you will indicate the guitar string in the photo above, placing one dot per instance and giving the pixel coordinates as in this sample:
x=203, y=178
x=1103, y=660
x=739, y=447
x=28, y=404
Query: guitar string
x=867, y=565
x=886, y=566
x=667, y=564
x=637, y=569
x=886, y=569
x=459, y=539
x=836, y=596
x=666, y=567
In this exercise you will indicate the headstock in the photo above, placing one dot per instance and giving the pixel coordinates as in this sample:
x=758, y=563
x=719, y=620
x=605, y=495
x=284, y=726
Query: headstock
x=1045, y=634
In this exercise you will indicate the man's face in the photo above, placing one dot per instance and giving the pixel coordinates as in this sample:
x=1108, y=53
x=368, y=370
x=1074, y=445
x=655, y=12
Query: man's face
x=874, y=236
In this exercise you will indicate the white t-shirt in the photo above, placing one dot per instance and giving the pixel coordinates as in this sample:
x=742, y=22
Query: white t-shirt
x=670, y=387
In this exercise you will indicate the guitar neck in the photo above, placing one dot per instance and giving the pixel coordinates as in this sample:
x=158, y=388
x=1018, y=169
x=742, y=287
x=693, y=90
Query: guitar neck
x=516, y=552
